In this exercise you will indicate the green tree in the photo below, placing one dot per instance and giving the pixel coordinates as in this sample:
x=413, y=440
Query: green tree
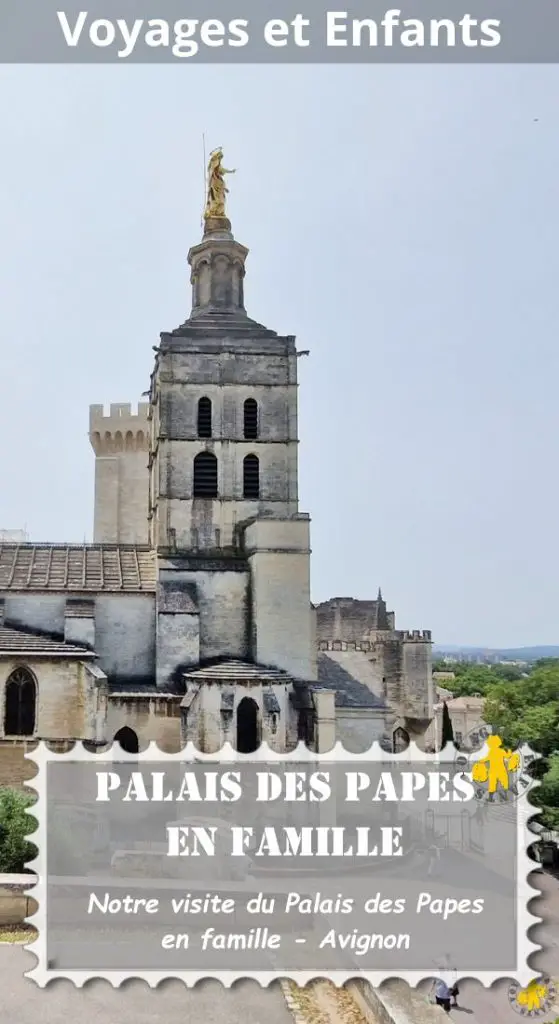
x=473, y=679
x=528, y=712
x=447, y=730
x=547, y=796
x=512, y=673
x=15, y=826
x=441, y=666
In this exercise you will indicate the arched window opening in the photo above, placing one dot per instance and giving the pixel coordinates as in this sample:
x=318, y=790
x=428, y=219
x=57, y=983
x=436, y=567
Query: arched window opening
x=204, y=418
x=128, y=740
x=251, y=477
x=251, y=419
x=20, y=704
x=205, y=476
x=248, y=726
x=401, y=740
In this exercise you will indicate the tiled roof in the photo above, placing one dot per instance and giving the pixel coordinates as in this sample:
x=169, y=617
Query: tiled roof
x=132, y=688
x=350, y=692
x=86, y=567
x=19, y=642
x=215, y=322
x=462, y=703
x=233, y=671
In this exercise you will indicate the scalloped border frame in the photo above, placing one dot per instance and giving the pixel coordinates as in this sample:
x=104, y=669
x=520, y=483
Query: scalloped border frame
x=42, y=975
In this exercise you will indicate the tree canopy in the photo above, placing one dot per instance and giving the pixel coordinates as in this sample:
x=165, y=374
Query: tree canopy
x=15, y=825
x=522, y=707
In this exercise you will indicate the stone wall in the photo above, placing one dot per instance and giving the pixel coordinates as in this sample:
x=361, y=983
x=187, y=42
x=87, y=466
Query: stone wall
x=124, y=628
x=466, y=716
x=227, y=373
x=14, y=769
x=62, y=696
x=206, y=727
x=417, y=673
x=151, y=717
x=125, y=635
x=349, y=619
x=394, y=1002
x=41, y=612
x=358, y=728
x=15, y=905
x=120, y=441
x=222, y=598
x=278, y=553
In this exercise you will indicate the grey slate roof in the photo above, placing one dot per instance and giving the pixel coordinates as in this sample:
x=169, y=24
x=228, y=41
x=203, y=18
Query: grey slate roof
x=20, y=642
x=350, y=693
x=226, y=323
x=86, y=567
x=236, y=671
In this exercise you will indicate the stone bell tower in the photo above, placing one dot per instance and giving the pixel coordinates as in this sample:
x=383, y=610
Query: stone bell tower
x=224, y=410
x=233, y=549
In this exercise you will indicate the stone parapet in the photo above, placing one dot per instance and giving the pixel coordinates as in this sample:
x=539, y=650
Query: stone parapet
x=15, y=904
x=402, y=635
x=416, y=635
x=341, y=645
x=121, y=429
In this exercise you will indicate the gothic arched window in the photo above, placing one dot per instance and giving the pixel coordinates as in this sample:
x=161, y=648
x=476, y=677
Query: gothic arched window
x=251, y=477
x=205, y=476
x=128, y=740
x=20, y=704
x=204, y=418
x=251, y=419
x=400, y=740
x=248, y=726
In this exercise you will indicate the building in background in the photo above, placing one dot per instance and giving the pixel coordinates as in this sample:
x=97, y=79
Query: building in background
x=14, y=537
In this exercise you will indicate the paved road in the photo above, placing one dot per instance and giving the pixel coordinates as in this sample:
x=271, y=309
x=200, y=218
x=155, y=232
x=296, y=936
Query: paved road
x=21, y=1002
x=483, y=1005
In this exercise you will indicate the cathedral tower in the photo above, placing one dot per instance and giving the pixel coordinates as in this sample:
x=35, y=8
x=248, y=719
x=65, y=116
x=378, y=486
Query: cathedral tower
x=233, y=550
x=224, y=407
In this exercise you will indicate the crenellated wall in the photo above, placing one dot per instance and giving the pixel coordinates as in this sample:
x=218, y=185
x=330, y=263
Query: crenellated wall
x=402, y=659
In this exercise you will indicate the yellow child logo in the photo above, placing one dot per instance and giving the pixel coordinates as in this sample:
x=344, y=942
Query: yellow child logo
x=533, y=996
x=495, y=768
x=537, y=998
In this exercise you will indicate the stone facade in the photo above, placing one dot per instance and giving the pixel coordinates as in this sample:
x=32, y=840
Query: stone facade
x=466, y=717
x=120, y=441
x=395, y=665
x=190, y=617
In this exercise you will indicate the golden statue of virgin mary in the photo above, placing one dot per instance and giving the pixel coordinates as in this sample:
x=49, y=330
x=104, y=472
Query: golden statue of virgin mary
x=216, y=187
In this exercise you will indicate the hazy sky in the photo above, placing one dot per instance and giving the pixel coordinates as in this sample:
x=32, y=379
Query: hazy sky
x=402, y=222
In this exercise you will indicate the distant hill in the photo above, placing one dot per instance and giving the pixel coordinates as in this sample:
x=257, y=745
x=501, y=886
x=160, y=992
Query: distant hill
x=505, y=653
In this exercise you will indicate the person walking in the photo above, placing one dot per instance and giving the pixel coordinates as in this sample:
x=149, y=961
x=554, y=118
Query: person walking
x=445, y=991
x=445, y=996
x=434, y=867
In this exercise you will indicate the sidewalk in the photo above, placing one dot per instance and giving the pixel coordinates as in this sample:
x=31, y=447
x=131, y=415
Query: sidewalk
x=481, y=1006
